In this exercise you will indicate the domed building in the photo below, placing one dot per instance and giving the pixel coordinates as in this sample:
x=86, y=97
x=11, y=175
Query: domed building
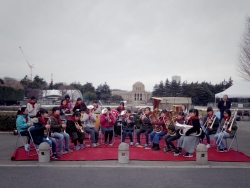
x=137, y=96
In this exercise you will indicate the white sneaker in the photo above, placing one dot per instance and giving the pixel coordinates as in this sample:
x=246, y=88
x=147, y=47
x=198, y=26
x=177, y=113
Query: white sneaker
x=94, y=145
x=131, y=143
x=27, y=147
x=208, y=146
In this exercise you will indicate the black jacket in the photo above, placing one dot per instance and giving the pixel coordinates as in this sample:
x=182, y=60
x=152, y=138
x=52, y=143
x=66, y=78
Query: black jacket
x=195, y=129
x=39, y=131
x=128, y=126
x=215, y=125
x=222, y=107
x=146, y=124
x=71, y=127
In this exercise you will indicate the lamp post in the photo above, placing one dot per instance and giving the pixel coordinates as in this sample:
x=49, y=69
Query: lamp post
x=224, y=84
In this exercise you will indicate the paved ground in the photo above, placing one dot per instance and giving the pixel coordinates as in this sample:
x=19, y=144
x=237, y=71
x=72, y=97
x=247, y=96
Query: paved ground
x=122, y=177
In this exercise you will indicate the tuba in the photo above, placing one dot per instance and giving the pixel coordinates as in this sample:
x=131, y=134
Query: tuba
x=156, y=103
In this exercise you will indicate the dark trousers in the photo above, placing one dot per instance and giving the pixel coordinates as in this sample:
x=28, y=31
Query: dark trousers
x=129, y=133
x=147, y=132
x=26, y=133
x=169, y=140
x=77, y=136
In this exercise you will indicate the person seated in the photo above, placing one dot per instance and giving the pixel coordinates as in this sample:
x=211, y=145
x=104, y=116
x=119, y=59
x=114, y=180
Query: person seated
x=211, y=124
x=23, y=122
x=107, y=126
x=146, y=127
x=190, y=139
x=227, y=122
x=79, y=105
x=75, y=129
x=42, y=131
x=97, y=110
x=159, y=130
x=128, y=123
x=120, y=108
x=64, y=109
x=89, y=119
x=58, y=128
x=32, y=107
x=69, y=104
x=170, y=138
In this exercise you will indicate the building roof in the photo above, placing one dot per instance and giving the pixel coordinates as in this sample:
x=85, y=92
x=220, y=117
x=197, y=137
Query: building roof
x=138, y=83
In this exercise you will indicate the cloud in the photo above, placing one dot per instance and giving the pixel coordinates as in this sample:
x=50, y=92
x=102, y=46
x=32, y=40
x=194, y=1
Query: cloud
x=122, y=42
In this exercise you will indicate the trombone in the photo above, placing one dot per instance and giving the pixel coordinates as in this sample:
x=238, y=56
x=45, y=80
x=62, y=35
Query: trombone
x=226, y=128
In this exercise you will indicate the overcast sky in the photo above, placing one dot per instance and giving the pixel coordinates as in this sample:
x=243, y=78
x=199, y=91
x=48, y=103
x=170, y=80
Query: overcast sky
x=122, y=41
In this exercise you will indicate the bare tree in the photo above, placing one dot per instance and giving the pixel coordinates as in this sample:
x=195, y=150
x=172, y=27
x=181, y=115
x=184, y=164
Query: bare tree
x=243, y=65
x=12, y=82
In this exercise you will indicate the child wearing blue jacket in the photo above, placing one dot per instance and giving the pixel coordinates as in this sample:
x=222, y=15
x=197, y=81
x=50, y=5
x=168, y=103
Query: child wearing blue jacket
x=23, y=122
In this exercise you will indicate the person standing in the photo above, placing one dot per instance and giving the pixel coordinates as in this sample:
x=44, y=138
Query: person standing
x=223, y=105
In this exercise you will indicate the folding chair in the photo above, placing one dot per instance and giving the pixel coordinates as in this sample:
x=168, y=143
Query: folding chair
x=234, y=138
x=133, y=134
x=17, y=140
x=102, y=134
x=31, y=131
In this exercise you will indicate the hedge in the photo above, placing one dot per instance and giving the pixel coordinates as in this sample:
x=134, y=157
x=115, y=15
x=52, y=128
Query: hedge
x=11, y=94
x=7, y=121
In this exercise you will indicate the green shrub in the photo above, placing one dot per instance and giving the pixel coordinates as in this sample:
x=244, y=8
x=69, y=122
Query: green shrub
x=7, y=121
x=11, y=94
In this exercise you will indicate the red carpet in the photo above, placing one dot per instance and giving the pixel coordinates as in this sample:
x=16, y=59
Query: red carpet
x=111, y=153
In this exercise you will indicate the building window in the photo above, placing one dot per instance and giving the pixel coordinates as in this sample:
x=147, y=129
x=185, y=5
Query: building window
x=140, y=97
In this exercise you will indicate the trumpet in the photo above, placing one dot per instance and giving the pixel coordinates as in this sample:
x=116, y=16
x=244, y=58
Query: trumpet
x=80, y=129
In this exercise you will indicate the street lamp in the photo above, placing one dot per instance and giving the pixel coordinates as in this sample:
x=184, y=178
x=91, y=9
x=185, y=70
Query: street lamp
x=224, y=84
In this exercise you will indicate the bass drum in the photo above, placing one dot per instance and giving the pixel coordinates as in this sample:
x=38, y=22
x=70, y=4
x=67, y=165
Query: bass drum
x=97, y=123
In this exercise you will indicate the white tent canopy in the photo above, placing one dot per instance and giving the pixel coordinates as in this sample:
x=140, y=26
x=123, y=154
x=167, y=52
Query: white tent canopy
x=237, y=90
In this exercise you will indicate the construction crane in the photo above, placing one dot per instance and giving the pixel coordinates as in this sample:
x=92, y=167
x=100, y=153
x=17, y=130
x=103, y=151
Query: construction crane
x=30, y=66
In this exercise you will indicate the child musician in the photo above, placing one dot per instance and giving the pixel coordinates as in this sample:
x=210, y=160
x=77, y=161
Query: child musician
x=169, y=138
x=79, y=105
x=89, y=119
x=42, y=131
x=75, y=130
x=226, y=122
x=107, y=126
x=128, y=123
x=211, y=124
x=32, y=107
x=58, y=128
x=23, y=122
x=146, y=127
x=97, y=110
x=155, y=137
x=190, y=141
x=120, y=108
x=69, y=104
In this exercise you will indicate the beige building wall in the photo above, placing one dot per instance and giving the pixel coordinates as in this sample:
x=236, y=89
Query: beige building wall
x=138, y=95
